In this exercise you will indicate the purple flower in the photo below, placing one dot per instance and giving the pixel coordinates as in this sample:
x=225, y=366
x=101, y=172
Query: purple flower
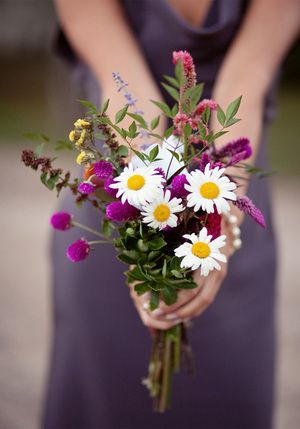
x=238, y=157
x=86, y=188
x=103, y=169
x=242, y=144
x=119, y=212
x=61, y=221
x=247, y=206
x=178, y=185
x=78, y=251
x=204, y=160
x=161, y=172
x=108, y=190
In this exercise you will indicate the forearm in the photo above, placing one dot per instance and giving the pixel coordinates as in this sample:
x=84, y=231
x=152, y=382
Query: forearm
x=101, y=37
x=266, y=34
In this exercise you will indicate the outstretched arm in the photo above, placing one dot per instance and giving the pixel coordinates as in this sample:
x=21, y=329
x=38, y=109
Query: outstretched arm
x=102, y=38
x=267, y=32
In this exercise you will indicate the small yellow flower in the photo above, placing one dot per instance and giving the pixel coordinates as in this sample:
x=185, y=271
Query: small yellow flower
x=72, y=135
x=80, y=157
x=80, y=141
x=81, y=123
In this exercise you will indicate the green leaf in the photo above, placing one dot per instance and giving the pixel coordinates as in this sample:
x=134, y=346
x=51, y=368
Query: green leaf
x=187, y=130
x=88, y=105
x=142, y=246
x=164, y=269
x=132, y=130
x=168, y=132
x=221, y=116
x=175, y=154
x=179, y=72
x=139, y=119
x=172, y=81
x=155, y=122
x=104, y=106
x=233, y=108
x=120, y=115
x=154, y=254
x=232, y=122
x=154, y=300
x=177, y=274
x=206, y=114
x=141, y=288
x=126, y=259
x=174, y=110
x=194, y=93
x=219, y=134
x=38, y=151
x=43, y=178
x=157, y=243
x=107, y=228
x=169, y=295
x=123, y=151
x=49, y=182
x=202, y=130
x=170, y=90
x=64, y=145
x=36, y=137
x=164, y=107
x=153, y=153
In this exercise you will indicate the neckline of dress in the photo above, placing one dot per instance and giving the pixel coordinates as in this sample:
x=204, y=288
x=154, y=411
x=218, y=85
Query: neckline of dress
x=189, y=28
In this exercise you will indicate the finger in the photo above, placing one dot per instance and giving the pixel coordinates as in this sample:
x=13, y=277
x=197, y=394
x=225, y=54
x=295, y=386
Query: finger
x=205, y=297
x=183, y=297
x=151, y=322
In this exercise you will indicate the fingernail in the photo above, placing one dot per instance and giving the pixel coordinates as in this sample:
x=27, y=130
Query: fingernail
x=171, y=316
x=176, y=322
x=146, y=305
x=158, y=312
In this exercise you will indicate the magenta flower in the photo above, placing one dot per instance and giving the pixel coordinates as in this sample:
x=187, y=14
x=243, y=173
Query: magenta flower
x=78, y=251
x=86, y=188
x=246, y=205
x=213, y=224
x=61, y=221
x=178, y=185
x=204, y=160
x=119, y=212
x=103, y=169
x=236, y=146
x=211, y=104
x=108, y=190
x=188, y=67
x=187, y=60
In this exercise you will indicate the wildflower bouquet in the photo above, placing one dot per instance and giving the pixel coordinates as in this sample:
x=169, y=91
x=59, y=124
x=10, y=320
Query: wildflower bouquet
x=162, y=206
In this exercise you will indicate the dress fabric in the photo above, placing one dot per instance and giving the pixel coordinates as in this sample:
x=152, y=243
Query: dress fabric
x=100, y=347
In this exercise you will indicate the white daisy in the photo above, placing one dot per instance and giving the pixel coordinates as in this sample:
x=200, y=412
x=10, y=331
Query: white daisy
x=160, y=213
x=138, y=186
x=166, y=160
x=201, y=252
x=209, y=188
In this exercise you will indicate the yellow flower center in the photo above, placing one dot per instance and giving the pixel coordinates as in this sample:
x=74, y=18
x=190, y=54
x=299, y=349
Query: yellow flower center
x=209, y=190
x=162, y=213
x=135, y=182
x=201, y=250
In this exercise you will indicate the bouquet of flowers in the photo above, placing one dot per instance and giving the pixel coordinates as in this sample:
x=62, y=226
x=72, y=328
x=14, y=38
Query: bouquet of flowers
x=161, y=206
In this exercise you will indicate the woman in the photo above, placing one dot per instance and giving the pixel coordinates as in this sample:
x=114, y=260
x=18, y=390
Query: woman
x=100, y=347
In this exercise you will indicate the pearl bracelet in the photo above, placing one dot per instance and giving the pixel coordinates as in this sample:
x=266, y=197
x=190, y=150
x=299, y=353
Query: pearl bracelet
x=236, y=231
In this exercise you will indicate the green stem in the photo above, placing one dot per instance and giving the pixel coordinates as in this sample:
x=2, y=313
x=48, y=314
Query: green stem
x=86, y=228
x=165, y=387
x=99, y=242
x=177, y=348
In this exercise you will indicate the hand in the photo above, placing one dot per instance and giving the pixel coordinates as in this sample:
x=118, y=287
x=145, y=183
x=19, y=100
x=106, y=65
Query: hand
x=191, y=302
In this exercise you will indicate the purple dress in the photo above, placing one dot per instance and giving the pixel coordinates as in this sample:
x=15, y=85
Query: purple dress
x=100, y=347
